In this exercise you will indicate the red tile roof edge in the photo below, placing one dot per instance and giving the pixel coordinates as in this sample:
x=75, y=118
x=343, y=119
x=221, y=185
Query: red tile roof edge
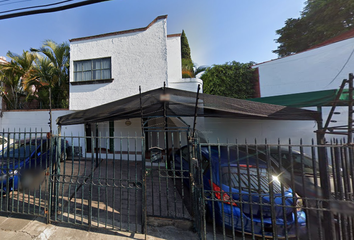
x=344, y=36
x=120, y=32
x=175, y=35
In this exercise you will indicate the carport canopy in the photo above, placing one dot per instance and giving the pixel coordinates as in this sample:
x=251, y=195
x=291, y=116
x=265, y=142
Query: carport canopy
x=179, y=103
x=308, y=99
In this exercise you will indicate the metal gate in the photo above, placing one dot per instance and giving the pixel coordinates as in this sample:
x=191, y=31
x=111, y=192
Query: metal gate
x=98, y=181
x=24, y=173
x=168, y=182
x=101, y=188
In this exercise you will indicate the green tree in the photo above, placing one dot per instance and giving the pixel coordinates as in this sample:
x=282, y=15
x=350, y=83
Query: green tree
x=187, y=63
x=40, y=80
x=320, y=20
x=12, y=75
x=58, y=56
x=231, y=79
x=185, y=49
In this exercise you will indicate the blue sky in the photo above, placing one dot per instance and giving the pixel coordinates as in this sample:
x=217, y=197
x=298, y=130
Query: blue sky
x=218, y=31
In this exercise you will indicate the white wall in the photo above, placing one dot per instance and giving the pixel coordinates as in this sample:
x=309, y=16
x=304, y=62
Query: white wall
x=241, y=130
x=174, y=59
x=313, y=70
x=37, y=121
x=138, y=58
x=187, y=84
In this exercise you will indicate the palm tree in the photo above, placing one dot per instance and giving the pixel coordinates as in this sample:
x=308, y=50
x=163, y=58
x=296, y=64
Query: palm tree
x=58, y=56
x=11, y=77
x=40, y=80
x=192, y=71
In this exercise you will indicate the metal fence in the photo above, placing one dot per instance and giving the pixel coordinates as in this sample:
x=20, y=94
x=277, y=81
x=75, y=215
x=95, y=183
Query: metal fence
x=279, y=191
x=167, y=195
x=227, y=191
x=102, y=186
x=24, y=183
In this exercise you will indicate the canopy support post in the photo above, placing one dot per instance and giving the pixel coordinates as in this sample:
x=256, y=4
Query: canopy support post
x=165, y=124
x=350, y=109
x=195, y=111
x=324, y=180
x=141, y=113
x=96, y=144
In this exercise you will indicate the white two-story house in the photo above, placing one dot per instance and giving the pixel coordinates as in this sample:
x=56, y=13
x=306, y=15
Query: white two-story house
x=112, y=66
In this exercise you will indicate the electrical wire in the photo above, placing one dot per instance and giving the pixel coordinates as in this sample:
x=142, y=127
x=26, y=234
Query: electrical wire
x=39, y=6
x=345, y=64
x=14, y=2
x=48, y=10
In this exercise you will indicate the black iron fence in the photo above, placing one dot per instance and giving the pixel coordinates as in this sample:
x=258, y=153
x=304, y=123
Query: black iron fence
x=24, y=184
x=102, y=187
x=278, y=191
x=227, y=191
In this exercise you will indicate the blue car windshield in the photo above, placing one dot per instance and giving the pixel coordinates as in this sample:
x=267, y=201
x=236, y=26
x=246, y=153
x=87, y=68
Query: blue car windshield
x=249, y=179
x=16, y=151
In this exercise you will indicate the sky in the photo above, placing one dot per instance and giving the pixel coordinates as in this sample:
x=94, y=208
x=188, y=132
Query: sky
x=218, y=31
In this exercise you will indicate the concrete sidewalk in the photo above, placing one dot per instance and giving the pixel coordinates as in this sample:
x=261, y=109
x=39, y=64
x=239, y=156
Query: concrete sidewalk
x=20, y=227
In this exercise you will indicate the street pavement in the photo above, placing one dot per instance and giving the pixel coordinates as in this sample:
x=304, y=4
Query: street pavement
x=20, y=227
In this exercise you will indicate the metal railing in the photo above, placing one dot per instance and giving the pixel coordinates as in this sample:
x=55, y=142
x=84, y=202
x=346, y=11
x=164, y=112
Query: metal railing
x=264, y=190
x=228, y=191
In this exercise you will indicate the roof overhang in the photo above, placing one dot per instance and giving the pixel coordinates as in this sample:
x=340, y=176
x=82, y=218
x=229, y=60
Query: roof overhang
x=179, y=103
x=307, y=99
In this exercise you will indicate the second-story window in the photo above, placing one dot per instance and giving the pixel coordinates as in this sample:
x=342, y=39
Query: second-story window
x=93, y=69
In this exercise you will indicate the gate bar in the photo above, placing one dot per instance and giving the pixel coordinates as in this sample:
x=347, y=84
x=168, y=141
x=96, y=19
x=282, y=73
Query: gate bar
x=195, y=111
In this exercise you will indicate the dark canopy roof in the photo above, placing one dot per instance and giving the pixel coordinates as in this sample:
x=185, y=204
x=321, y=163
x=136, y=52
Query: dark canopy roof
x=307, y=99
x=181, y=103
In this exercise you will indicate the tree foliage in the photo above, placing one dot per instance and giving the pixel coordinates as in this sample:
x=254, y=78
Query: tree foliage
x=29, y=76
x=187, y=63
x=320, y=20
x=57, y=57
x=231, y=79
x=185, y=49
x=12, y=73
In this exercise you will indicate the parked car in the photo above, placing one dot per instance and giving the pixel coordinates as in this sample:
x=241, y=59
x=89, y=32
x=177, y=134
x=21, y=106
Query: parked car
x=21, y=161
x=238, y=188
x=4, y=141
x=294, y=168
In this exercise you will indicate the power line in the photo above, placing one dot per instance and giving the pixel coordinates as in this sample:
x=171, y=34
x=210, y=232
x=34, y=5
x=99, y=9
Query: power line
x=13, y=2
x=39, y=6
x=345, y=64
x=48, y=10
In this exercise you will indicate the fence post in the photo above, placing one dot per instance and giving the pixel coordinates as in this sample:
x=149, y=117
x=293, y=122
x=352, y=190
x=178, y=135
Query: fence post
x=328, y=219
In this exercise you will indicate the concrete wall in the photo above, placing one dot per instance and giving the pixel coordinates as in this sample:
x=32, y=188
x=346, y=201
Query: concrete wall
x=138, y=58
x=187, y=84
x=174, y=59
x=245, y=130
x=37, y=121
x=313, y=70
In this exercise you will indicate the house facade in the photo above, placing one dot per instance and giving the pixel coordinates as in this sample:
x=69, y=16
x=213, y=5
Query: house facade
x=112, y=66
x=322, y=67
x=319, y=68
